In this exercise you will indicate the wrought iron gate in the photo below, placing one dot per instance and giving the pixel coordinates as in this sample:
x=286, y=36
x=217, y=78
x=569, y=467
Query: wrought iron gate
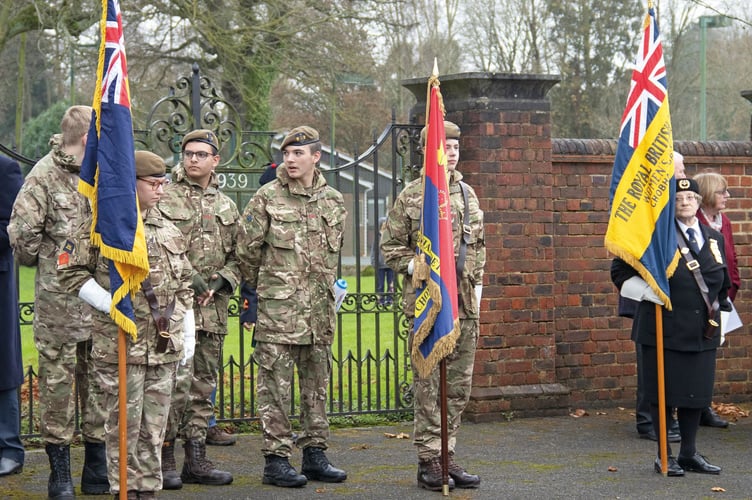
x=371, y=367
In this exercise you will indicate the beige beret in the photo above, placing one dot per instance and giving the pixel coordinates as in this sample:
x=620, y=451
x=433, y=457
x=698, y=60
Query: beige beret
x=149, y=164
x=201, y=135
x=451, y=131
x=300, y=136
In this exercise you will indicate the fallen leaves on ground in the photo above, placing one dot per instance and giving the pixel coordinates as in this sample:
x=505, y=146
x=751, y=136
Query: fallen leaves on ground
x=718, y=488
x=730, y=411
x=360, y=447
x=400, y=435
x=611, y=468
x=579, y=412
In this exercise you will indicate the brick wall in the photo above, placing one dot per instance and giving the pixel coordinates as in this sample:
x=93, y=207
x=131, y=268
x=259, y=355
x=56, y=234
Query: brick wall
x=550, y=336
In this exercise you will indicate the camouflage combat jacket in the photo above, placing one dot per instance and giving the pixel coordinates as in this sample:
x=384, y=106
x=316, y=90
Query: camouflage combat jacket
x=170, y=275
x=400, y=236
x=288, y=246
x=47, y=210
x=208, y=220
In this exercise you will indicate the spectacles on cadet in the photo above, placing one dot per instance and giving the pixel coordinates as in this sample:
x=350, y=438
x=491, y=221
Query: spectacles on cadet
x=201, y=155
x=156, y=184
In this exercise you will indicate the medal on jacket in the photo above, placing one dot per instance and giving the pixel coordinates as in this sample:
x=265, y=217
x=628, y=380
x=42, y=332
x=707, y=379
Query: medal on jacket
x=715, y=251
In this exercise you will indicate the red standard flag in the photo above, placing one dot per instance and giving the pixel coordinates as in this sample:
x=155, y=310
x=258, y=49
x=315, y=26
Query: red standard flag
x=434, y=277
x=108, y=173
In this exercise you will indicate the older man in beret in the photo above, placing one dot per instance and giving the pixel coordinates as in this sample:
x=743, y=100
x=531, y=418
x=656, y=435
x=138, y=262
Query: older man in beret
x=289, y=241
x=399, y=240
x=207, y=218
x=164, y=318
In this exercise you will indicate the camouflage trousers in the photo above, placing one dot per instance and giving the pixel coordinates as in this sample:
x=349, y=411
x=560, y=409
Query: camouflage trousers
x=148, y=399
x=65, y=369
x=191, y=406
x=276, y=363
x=459, y=374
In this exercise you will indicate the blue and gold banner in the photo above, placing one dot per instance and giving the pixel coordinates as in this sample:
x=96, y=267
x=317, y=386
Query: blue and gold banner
x=641, y=222
x=108, y=173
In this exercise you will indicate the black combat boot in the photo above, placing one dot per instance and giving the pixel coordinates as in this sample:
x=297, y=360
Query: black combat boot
x=198, y=469
x=94, y=476
x=318, y=468
x=429, y=475
x=60, y=484
x=170, y=477
x=461, y=478
x=279, y=472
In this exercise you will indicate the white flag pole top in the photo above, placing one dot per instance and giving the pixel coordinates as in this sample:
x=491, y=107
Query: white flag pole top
x=435, y=72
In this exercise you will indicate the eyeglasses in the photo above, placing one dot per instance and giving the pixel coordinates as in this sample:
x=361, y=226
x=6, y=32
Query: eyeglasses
x=201, y=155
x=723, y=192
x=155, y=185
x=684, y=199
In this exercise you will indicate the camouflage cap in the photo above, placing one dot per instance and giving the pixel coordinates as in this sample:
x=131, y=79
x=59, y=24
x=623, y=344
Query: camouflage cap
x=201, y=135
x=149, y=164
x=451, y=131
x=300, y=136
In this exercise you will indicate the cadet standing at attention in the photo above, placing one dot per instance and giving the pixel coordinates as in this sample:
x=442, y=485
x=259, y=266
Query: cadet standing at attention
x=289, y=242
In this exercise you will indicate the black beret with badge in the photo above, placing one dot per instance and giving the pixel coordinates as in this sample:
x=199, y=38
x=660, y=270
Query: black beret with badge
x=687, y=185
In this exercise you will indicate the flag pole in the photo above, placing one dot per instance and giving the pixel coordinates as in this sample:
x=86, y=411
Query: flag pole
x=122, y=416
x=662, y=446
x=444, y=428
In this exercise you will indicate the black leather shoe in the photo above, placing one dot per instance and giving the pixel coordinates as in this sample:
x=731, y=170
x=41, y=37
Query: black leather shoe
x=673, y=469
x=698, y=463
x=9, y=466
x=709, y=418
x=672, y=436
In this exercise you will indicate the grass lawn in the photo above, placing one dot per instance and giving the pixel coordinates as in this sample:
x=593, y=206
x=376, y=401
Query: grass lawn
x=351, y=328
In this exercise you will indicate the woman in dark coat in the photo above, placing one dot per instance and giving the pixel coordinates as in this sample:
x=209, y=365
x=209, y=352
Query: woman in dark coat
x=689, y=338
x=11, y=364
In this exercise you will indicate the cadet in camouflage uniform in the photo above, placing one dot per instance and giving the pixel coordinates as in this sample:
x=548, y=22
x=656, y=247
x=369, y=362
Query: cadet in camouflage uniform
x=289, y=241
x=150, y=371
x=208, y=220
x=46, y=211
x=398, y=243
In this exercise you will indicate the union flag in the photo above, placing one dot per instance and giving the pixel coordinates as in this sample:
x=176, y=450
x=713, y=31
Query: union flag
x=641, y=222
x=108, y=172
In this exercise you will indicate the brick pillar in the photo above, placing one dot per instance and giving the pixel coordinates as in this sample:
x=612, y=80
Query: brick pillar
x=505, y=155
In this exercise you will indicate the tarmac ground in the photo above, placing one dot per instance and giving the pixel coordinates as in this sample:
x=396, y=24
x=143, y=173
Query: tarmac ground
x=594, y=456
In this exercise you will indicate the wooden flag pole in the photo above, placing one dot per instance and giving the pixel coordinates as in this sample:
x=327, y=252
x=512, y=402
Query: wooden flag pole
x=122, y=415
x=662, y=446
x=444, y=430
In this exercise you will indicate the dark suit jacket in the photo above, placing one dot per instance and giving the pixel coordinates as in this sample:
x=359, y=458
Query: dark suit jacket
x=11, y=369
x=684, y=326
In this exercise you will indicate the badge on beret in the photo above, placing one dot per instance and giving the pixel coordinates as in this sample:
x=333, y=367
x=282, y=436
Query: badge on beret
x=683, y=184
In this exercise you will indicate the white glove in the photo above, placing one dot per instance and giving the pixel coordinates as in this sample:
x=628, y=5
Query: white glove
x=93, y=294
x=189, y=336
x=478, y=293
x=410, y=267
x=636, y=288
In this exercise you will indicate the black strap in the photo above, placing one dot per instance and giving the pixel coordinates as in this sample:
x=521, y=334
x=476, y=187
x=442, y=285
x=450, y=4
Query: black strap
x=162, y=320
x=694, y=266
